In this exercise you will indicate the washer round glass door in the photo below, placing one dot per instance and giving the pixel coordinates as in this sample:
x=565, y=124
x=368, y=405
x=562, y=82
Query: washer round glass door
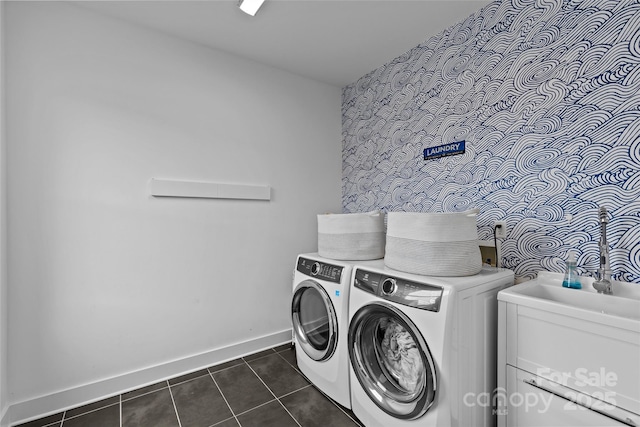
x=314, y=320
x=392, y=361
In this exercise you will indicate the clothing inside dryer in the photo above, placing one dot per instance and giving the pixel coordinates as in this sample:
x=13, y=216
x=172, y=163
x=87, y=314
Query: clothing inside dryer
x=400, y=355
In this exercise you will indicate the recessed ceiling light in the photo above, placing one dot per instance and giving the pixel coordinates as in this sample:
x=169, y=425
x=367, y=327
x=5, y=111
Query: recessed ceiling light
x=250, y=6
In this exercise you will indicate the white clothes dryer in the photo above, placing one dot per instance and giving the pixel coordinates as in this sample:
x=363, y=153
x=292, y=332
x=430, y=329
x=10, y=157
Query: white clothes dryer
x=319, y=313
x=423, y=349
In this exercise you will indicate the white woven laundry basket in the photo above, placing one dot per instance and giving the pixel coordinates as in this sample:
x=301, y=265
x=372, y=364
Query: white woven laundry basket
x=354, y=236
x=433, y=244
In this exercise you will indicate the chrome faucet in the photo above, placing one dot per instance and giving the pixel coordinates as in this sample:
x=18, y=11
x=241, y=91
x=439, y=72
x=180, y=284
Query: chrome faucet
x=603, y=284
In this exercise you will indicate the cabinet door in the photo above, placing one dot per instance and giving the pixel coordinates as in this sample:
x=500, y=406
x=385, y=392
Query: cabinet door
x=531, y=401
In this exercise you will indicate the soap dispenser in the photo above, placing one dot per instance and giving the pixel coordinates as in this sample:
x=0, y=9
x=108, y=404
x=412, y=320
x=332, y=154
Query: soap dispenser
x=571, y=279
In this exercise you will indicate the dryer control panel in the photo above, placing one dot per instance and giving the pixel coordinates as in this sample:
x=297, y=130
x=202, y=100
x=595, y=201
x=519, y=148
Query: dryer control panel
x=398, y=290
x=320, y=270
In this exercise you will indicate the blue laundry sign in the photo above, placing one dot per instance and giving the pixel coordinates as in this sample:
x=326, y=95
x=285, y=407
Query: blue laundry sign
x=337, y=293
x=444, y=150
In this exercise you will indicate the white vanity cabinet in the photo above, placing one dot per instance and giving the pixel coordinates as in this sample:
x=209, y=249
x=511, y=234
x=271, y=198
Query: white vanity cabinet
x=565, y=365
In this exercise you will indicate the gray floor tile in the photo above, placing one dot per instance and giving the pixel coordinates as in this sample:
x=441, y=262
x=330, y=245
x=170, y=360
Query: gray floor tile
x=289, y=355
x=144, y=390
x=92, y=407
x=270, y=415
x=259, y=354
x=199, y=403
x=231, y=422
x=282, y=347
x=105, y=417
x=312, y=409
x=51, y=420
x=187, y=377
x=150, y=410
x=242, y=388
x=278, y=374
x=226, y=365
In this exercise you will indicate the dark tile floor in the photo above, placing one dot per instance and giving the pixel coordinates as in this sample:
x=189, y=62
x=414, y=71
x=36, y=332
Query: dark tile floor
x=264, y=389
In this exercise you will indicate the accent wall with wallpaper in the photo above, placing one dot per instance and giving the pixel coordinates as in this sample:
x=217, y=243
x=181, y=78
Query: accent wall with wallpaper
x=546, y=96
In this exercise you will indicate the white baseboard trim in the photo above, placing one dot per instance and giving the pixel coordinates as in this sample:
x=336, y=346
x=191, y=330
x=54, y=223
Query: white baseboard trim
x=54, y=403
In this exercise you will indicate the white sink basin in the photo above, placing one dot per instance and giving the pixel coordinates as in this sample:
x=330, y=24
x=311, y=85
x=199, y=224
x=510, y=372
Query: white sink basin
x=622, y=309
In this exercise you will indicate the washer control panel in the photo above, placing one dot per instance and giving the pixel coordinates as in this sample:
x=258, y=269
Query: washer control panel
x=401, y=291
x=320, y=270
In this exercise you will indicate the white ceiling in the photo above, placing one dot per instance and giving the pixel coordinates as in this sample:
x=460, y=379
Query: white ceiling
x=333, y=41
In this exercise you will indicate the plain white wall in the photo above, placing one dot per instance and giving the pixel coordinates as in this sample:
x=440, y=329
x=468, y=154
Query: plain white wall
x=3, y=233
x=104, y=279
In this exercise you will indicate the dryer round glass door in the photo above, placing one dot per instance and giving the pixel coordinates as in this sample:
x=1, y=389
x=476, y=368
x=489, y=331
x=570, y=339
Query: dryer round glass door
x=314, y=320
x=392, y=361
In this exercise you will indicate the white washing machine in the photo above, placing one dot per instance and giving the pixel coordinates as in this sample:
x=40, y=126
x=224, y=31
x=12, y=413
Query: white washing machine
x=319, y=312
x=423, y=349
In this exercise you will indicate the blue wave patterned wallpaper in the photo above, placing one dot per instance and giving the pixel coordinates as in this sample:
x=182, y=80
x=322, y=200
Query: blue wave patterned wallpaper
x=546, y=94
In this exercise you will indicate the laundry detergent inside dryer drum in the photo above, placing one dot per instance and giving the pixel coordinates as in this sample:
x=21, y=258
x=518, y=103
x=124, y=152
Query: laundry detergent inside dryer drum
x=392, y=361
x=314, y=320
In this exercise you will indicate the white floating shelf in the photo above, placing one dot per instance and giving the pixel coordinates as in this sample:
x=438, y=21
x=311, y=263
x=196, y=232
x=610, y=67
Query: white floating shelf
x=208, y=190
